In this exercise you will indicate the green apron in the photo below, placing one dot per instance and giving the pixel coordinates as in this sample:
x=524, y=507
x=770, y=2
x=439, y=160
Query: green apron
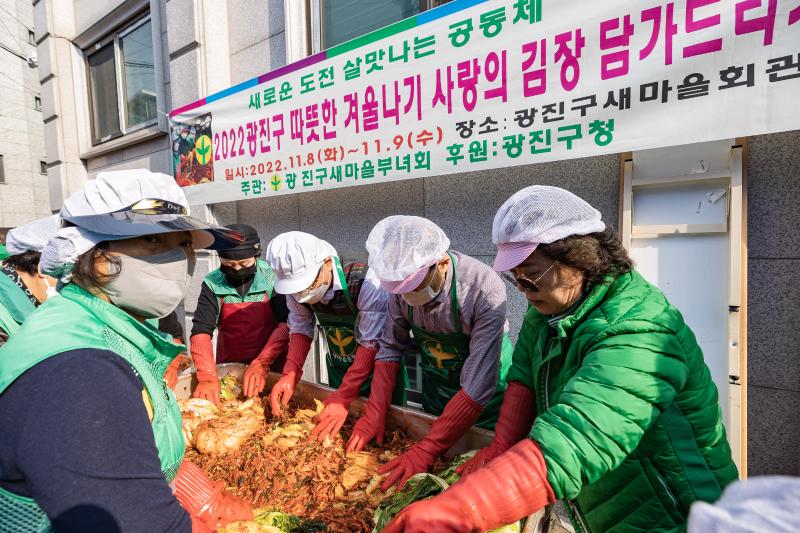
x=442, y=358
x=15, y=306
x=85, y=321
x=339, y=331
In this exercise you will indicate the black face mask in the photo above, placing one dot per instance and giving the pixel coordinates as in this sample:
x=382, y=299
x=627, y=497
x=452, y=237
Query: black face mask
x=237, y=277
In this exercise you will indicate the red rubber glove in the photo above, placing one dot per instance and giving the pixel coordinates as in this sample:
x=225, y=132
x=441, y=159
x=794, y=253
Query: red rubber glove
x=171, y=373
x=337, y=405
x=255, y=377
x=282, y=392
x=373, y=424
x=206, y=501
x=203, y=356
x=514, y=423
x=509, y=488
x=460, y=413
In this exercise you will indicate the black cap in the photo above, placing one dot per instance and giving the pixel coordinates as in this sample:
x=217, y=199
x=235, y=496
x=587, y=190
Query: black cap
x=251, y=247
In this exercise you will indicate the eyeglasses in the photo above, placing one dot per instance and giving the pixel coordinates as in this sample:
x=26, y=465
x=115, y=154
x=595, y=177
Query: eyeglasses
x=525, y=284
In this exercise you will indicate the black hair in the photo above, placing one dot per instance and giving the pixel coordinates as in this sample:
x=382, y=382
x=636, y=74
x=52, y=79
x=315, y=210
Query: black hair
x=27, y=262
x=85, y=270
x=597, y=255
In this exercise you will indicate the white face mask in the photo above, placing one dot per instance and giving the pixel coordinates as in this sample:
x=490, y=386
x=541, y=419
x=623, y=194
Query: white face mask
x=312, y=296
x=151, y=286
x=420, y=298
x=50, y=291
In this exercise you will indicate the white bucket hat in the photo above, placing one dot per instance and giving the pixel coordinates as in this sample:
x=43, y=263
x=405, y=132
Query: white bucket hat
x=120, y=205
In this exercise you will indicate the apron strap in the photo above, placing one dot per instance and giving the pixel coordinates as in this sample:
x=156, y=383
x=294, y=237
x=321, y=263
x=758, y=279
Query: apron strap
x=345, y=288
x=455, y=308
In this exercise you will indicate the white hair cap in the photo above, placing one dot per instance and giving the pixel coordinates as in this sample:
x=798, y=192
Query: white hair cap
x=32, y=236
x=539, y=215
x=400, y=246
x=296, y=257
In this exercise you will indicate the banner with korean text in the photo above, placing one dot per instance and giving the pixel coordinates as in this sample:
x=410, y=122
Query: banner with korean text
x=484, y=84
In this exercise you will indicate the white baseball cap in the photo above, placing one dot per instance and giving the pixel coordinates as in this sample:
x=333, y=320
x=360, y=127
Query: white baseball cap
x=296, y=257
x=539, y=215
x=402, y=249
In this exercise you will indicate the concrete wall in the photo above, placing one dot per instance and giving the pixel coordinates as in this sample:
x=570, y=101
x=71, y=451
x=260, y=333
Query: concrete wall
x=257, y=37
x=24, y=195
x=773, y=347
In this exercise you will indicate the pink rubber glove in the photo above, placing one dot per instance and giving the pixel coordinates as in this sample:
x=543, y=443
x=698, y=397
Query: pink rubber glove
x=206, y=501
x=514, y=423
x=283, y=390
x=337, y=405
x=255, y=377
x=460, y=413
x=509, y=488
x=208, y=386
x=373, y=424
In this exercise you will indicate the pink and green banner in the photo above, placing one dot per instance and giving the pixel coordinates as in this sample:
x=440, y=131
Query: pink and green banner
x=484, y=84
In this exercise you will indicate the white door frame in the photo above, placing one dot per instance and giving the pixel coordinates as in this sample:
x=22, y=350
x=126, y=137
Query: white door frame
x=735, y=225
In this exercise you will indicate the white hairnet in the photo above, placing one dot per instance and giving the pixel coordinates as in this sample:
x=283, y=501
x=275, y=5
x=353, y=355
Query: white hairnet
x=32, y=236
x=399, y=246
x=296, y=257
x=542, y=214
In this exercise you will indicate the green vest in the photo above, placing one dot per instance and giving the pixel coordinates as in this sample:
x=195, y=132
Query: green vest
x=263, y=282
x=442, y=357
x=87, y=322
x=339, y=331
x=15, y=306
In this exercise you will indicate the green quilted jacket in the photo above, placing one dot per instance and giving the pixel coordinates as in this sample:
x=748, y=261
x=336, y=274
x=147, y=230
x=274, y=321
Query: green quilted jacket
x=627, y=415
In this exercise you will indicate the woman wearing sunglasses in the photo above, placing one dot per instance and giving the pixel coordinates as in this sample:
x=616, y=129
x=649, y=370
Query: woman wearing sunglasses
x=610, y=411
x=450, y=307
x=92, y=437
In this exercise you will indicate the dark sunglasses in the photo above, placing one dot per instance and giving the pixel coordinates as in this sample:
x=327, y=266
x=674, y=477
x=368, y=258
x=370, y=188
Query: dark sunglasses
x=525, y=284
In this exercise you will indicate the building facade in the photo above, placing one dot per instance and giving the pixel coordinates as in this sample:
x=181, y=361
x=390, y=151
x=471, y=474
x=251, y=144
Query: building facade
x=23, y=166
x=105, y=109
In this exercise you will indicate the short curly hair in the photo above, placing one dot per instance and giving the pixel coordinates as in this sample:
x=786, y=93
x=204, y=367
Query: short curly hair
x=597, y=255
